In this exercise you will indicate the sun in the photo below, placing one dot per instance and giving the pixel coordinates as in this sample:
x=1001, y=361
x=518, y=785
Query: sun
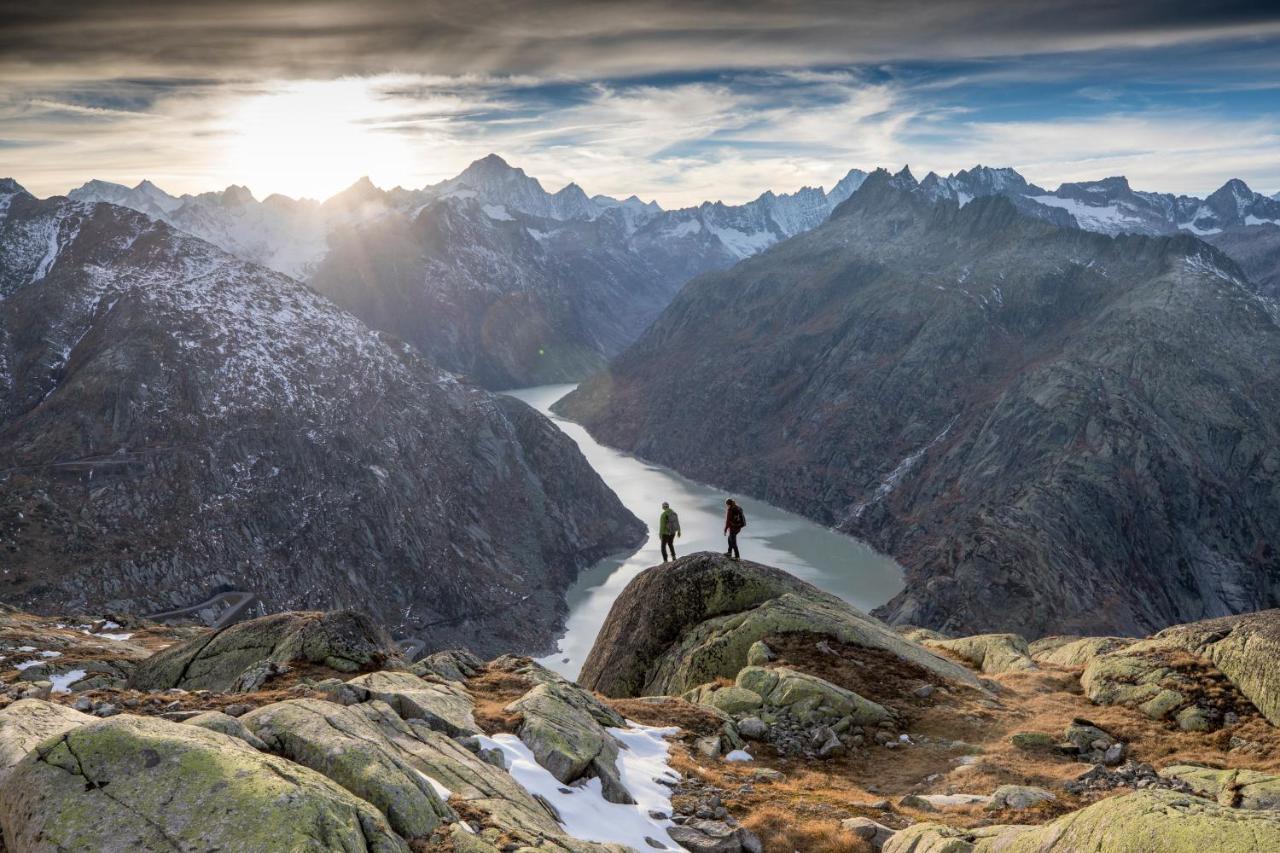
x=314, y=138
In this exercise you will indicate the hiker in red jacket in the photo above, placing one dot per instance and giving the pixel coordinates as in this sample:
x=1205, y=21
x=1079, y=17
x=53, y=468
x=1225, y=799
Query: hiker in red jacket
x=734, y=521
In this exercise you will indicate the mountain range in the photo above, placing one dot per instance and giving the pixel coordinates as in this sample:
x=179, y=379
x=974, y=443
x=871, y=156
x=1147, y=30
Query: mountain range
x=487, y=273
x=494, y=277
x=1053, y=430
x=176, y=421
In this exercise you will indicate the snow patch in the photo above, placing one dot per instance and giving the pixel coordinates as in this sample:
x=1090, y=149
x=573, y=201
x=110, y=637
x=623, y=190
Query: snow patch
x=584, y=812
x=62, y=681
x=739, y=755
x=497, y=212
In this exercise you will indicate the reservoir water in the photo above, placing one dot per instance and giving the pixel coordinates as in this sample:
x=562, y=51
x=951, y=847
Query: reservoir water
x=832, y=561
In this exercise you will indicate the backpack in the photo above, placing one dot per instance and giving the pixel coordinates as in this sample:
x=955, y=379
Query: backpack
x=739, y=517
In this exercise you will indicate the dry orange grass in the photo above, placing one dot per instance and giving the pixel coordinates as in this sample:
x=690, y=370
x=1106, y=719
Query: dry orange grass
x=493, y=690
x=781, y=832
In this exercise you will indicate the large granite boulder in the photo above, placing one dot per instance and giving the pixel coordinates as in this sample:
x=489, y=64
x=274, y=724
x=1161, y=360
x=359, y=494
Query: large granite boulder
x=443, y=704
x=28, y=722
x=1245, y=648
x=243, y=656
x=343, y=744
x=1142, y=822
x=689, y=622
x=989, y=653
x=1074, y=651
x=140, y=783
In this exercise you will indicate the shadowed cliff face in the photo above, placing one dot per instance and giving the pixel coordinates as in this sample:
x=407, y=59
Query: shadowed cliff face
x=174, y=421
x=1052, y=430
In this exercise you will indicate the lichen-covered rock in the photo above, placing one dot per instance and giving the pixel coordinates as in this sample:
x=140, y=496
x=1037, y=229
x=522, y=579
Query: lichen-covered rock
x=443, y=704
x=216, y=721
x=1245, y=648
x=451, y=665
x=796, y=690
x=1033, y=741
x=234, y=658
x=26, y=723
x=149, y=784
x=1143, y=822
x=1019, y=797
x=873, y=833
x=695, y=620
x=989, y=653
x=1074, y=651
x=1238, y=788
x=565, y=729
x=473, y=783
x=735, y=700
x=344, y=745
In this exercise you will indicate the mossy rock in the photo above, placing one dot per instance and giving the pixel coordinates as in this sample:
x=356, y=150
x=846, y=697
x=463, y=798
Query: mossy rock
x=1070, y=652
x=1245, y=648
x=695, y=620
x=1238, y=788
x=149, y=784
x=343, y=744
x=443, y=704
x=28, y=722
x=804, y=693
x=991, y=654
x=235, y=658
x=565, y=729
x=1143, y=822
x=216, y=721
x=1033, y=741
x=735, y=701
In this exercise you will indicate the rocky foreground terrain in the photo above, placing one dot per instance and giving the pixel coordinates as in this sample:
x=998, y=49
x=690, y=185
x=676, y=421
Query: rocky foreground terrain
x=1054, y=431
x=175, y=422
x=726, y=706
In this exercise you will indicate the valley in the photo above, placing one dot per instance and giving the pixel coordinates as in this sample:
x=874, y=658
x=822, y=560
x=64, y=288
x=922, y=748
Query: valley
x=832, y=561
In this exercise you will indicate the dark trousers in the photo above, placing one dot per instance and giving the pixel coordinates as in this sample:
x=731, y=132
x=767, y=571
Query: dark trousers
x=668, y=542
x=733, y=544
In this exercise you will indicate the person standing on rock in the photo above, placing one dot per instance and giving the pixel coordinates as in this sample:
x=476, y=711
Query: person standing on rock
x=668, y=530
x=734, y=520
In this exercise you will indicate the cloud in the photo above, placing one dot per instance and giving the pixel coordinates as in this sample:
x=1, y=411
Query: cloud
x=585, y=40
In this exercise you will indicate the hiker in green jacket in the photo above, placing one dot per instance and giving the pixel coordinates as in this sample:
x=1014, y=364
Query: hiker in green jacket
x=668, y=530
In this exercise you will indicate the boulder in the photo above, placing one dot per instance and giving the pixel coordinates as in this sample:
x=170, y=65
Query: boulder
x=1019, y=797
x=473, y=784
x=943, y=802
x=874, y=834
x=759, y=654
x=149, y=784
x=565, y=729
x=443, y=704
x=1244, y=648
x=991, y=654
x=807, y=694
x=239, y=657
x=1033, y=741
x=28, y=722
x=735, y=701
x=695, y=620
x=1074, y=651
x=451, y=665
x=216, y=721
x=344, y=745
x=714, y=836
x=1238, y=788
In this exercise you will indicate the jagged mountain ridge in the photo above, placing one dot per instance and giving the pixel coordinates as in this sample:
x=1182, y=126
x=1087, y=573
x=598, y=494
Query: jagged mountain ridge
x=174, y=420
x=1052, y=430
x=488, y=273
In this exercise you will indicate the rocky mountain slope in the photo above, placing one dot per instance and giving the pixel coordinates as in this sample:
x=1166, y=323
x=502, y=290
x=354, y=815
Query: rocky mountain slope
x=815, y=727
x=487, y=272
x=175, y=421
x=1052, y=430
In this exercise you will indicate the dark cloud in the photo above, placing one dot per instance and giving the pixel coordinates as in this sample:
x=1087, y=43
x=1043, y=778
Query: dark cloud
x=237, y=39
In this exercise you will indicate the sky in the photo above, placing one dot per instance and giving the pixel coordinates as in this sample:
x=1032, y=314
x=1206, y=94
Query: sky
x=678, y=102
